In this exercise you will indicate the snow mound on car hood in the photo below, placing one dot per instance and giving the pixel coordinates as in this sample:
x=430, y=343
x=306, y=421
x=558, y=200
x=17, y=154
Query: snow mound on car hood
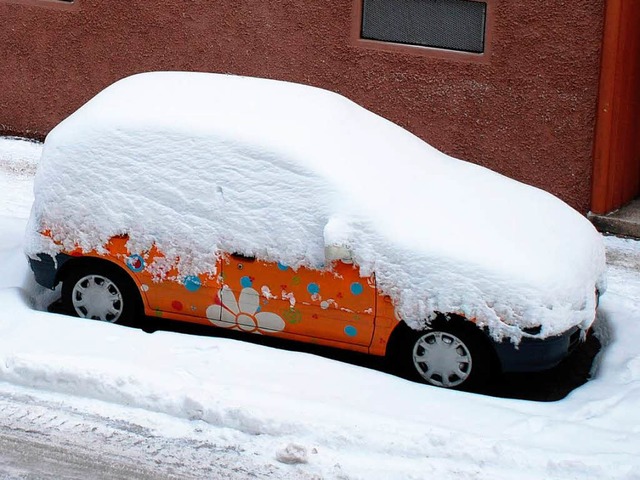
x=202, y=163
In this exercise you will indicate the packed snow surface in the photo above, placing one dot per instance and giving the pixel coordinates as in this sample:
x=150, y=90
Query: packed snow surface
x=203, y=163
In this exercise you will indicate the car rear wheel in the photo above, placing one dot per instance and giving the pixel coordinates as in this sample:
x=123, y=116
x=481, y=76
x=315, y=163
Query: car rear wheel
x=100, y=292
x=450, y=354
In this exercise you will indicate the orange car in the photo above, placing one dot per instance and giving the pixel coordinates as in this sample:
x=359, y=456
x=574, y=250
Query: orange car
x=145, y=196
x=333, y=306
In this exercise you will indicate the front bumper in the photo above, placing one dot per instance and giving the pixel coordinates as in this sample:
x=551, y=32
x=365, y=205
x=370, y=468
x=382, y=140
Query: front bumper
x=533, y=354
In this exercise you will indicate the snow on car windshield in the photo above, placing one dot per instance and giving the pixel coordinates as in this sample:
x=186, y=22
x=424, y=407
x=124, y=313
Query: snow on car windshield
x=199, y=164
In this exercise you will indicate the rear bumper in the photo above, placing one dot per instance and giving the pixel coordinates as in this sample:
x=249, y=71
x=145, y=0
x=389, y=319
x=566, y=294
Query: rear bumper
x=533, y=355
x=45, y=268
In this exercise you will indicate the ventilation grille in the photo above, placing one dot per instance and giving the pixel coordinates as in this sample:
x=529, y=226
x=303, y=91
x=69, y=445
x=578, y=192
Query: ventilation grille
x=450, y=24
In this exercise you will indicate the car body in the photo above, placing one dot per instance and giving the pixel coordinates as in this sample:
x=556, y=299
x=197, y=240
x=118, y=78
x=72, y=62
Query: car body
x=215, y=210
x=335, y=307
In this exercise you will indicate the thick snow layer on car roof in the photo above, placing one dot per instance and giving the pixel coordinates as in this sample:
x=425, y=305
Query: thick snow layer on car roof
x=202, y=163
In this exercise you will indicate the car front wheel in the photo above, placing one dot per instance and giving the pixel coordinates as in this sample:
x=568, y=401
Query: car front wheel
x=99, y=292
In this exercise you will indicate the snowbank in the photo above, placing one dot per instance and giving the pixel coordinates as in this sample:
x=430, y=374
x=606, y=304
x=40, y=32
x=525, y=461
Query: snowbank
x=19, y=156
x=204, y=163
x=18, y=162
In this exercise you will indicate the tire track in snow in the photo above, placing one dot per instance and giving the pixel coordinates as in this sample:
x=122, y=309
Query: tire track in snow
x=47, y=440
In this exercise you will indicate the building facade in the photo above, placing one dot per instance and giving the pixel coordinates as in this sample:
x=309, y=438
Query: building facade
x=541, y=91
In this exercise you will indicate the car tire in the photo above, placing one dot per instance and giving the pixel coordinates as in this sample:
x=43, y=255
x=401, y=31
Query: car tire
x=101, y=291
x=451, y=353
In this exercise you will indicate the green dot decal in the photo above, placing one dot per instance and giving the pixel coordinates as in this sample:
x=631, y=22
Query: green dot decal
x=292, y=316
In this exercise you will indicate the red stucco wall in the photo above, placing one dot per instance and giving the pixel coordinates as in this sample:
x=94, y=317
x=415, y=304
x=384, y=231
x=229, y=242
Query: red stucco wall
x=527, y=111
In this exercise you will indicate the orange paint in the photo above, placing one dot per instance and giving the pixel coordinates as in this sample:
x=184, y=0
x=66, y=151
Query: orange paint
x=331, y=306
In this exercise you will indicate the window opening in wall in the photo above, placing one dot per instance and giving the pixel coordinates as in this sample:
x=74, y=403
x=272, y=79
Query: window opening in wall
x=42, y=2
x=448, y=24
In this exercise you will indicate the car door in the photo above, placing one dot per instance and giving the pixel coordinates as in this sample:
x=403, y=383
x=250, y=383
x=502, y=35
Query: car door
x=335, y=305
x=185, y=297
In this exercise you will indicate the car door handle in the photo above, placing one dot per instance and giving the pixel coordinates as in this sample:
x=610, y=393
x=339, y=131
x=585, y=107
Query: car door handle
x=243, y=258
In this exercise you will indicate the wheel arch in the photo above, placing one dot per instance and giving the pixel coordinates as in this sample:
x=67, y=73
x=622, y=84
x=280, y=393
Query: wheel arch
x=87, y=262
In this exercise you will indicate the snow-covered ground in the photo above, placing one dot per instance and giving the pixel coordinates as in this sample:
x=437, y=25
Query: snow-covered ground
x=215, y=407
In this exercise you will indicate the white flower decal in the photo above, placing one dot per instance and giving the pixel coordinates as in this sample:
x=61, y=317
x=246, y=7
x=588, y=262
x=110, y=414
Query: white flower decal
x=243, y=314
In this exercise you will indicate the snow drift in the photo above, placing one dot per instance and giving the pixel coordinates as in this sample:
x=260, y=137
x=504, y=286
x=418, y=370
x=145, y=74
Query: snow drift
x=200, y=163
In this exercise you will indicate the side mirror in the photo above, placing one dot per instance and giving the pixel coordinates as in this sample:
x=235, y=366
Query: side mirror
x=338, y=252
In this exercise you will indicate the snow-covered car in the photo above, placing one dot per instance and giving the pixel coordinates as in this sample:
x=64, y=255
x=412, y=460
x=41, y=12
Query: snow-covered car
x=286, y=210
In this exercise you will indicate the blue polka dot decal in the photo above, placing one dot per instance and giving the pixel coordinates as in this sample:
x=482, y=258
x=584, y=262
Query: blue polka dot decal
x=192, y=283
x=245, y=282
x=282, y=266
x=135, y=263
x=356, y=288
x=350, y=331
x=313, y=288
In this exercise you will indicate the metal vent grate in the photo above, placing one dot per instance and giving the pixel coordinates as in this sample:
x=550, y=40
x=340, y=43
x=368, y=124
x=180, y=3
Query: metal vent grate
x=451, y=24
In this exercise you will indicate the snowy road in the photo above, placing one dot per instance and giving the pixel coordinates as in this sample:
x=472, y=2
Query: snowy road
x=82, y=399
x=43, y=438
x=35, y=444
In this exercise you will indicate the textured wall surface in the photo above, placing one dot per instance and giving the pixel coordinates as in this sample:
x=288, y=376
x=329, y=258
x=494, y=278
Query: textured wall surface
x=527, y=110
